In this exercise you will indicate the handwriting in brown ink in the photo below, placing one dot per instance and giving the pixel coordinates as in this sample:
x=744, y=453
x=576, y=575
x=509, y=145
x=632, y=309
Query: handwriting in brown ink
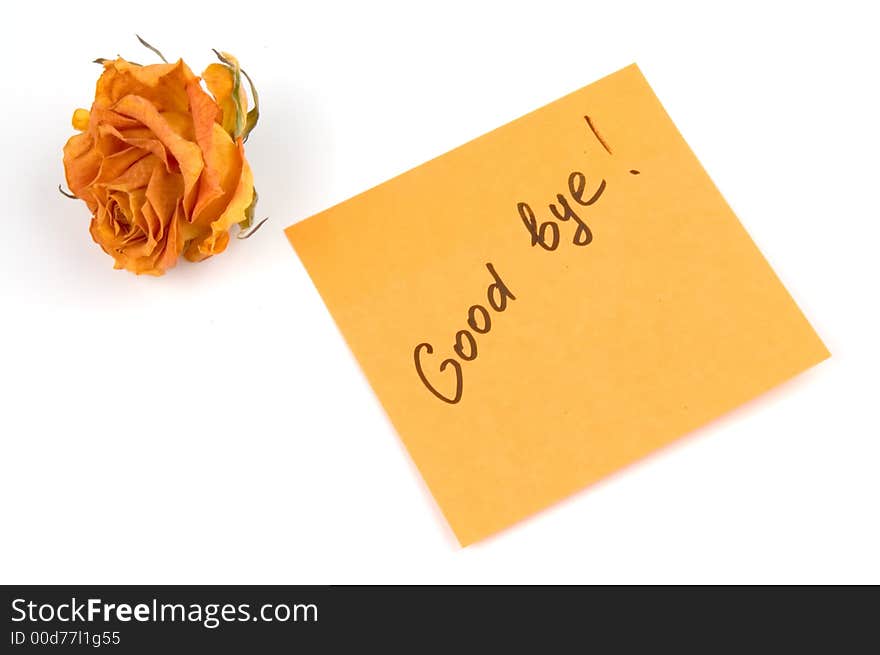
x=568, y=208
x=546, y=234
x=465, y=345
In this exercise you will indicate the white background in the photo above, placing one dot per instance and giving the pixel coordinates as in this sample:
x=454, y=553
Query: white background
x=212, y=427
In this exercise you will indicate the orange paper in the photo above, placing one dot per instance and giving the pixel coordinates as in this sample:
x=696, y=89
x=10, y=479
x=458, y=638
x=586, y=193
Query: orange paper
x=552, y=301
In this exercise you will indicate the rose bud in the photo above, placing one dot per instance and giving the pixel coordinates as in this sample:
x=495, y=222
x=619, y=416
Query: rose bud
x=160, y=161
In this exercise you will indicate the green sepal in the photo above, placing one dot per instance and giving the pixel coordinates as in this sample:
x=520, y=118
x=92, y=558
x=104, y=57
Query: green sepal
x=150, y=47
x=249, y=213
x=243, y=123
x=254, y=114
x=236, y=90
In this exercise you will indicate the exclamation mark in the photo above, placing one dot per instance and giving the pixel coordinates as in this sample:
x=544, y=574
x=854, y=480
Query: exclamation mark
x=602, y=141
x=598, y=136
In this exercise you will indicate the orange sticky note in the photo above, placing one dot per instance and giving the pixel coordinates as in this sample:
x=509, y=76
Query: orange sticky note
x=552, y=301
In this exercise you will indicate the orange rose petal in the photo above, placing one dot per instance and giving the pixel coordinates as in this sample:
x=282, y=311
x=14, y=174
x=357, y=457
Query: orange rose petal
x=187, y=154
x=223, y=164
x=81, y=162
x=173, y=244
x=205, y=113
x=220, y=83
x=234, y=213
x=102, y=232
x=142, y=139
x=165, y=256
x=77, y=146
x=181, y=123
x=162, y=84
x=105, y=126
x=163, y=192
x=80, y=120
x=121, y=169
x=153, y=224
x=139, y=240
x=204, y=116
x=105, y=116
